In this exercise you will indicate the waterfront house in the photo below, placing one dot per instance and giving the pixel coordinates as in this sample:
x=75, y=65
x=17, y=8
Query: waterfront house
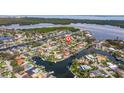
x=112, y=66
x=20, y=59
x=39, y=75
x=91, y=57
x=97, y=73
x=101, y=58
x=85, y=67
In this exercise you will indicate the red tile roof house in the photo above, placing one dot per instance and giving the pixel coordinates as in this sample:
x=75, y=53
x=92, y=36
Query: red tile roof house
x=20, y=59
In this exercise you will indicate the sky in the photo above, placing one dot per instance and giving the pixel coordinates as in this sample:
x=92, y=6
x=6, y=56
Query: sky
x=61, y=7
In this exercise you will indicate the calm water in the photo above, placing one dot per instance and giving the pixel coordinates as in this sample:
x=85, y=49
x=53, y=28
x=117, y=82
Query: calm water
x=5, y=37
x=62, y=67
x=99, y=31
x=102, y=31
x=91, y=17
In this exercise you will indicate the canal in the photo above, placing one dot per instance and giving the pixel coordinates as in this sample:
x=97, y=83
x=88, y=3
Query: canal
x=61, y=69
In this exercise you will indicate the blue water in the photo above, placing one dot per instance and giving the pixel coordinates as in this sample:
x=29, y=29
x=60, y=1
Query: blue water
x=5, y=37
x=95, y=17
x=100, y=32
x=62, y=67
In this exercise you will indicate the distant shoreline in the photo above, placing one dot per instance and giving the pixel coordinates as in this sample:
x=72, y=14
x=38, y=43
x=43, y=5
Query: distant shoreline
x=82, y=17
x=29, y=21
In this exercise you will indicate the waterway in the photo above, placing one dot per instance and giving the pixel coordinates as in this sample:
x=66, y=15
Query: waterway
x=100, y=32
x=89, y=17
x=5, y=38
x=61, y=69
